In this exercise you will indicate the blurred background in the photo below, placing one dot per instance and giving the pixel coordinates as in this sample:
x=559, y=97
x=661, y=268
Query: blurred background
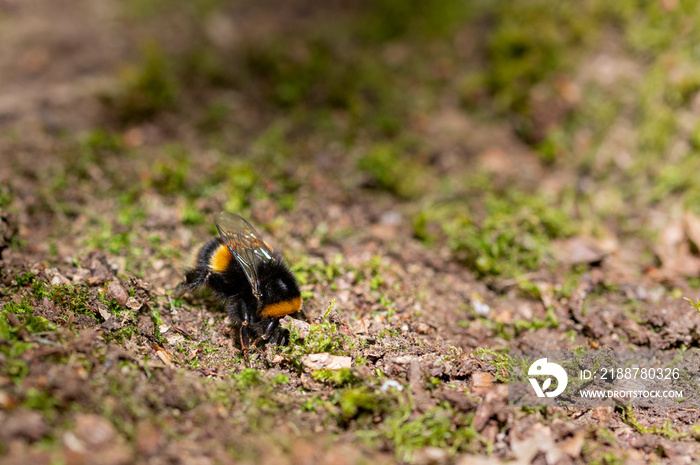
x=490, y=128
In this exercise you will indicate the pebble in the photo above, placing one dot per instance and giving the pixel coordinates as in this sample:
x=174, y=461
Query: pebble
x=81, y=275
x=389, y=384
x=117, y=292
x=480, y=308
x=302, y=327
x=93, y=430
x=158, y=264
x=391, y=218
x=430, y=455
x=59, y=279
x=313, y=362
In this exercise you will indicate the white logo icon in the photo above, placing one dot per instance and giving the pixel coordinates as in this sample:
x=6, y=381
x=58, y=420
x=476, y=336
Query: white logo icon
x=542, y=367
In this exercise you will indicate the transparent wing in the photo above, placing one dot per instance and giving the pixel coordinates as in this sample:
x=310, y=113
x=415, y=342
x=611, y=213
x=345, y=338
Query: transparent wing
x=245, y=244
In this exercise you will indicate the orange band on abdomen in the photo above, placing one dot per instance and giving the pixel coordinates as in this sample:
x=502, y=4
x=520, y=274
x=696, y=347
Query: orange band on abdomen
x=280, y=309
x=220, y=259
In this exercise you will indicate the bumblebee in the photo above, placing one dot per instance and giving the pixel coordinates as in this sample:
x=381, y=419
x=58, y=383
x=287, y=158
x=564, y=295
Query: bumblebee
x=252, y=280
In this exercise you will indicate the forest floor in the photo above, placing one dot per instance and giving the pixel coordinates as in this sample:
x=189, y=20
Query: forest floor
x=448, y=187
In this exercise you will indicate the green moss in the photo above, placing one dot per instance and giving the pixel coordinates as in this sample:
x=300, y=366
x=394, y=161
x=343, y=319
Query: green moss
x=131, y=212
x=24, y=279
x=608, y=458
x=339, y=378
x=37, y=399
x=100, y=141
x=15, y=368
x=308, y=273
x=120, y=335
x=388, y=169
x=241, y=182
x=511, y=238
x=67, y=299
x=111, y=238
x=72, y=298
x=280, y=378
x=354, y=401
x=149, y=89
x=18, y=338
x=169, y=175
x=667, y=430
x=6, y=196
x=215, y=117
x=501, y=361
x=24, y=311
x=403, y=428
x=248, y=377
x=325, y=77
x=651, y=28
x=387, y=20
x=193, y=215
x=510, y=331
x=375, y=272
x=322, y=337
x=531, y=42
x=438, y=427
x=696, y=304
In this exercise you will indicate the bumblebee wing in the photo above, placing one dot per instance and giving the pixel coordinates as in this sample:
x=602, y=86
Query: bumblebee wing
x=245, y=244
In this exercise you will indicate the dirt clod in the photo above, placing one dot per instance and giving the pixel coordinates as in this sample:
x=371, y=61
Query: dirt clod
x=24, y=424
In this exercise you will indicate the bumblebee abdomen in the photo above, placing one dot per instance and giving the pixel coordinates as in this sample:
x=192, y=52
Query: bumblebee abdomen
x=283, y=308
x=216, y=269
x=214, y=256
x=219, y=259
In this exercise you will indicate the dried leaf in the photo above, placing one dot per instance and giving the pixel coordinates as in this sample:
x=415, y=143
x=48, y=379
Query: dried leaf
x=674, y=251
x=133, y=303
x=573, y=446
x=103, y=311
x=163, y=355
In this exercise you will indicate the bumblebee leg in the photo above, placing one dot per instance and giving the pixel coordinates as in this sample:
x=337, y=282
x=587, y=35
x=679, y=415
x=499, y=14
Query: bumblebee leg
x=245, y=341
x=268, y=331
x=180, y=290
x=235, y=310
x=275, y=333
x=283, y=337
x=278, y=334
x=244, y=333
x=194, y=278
